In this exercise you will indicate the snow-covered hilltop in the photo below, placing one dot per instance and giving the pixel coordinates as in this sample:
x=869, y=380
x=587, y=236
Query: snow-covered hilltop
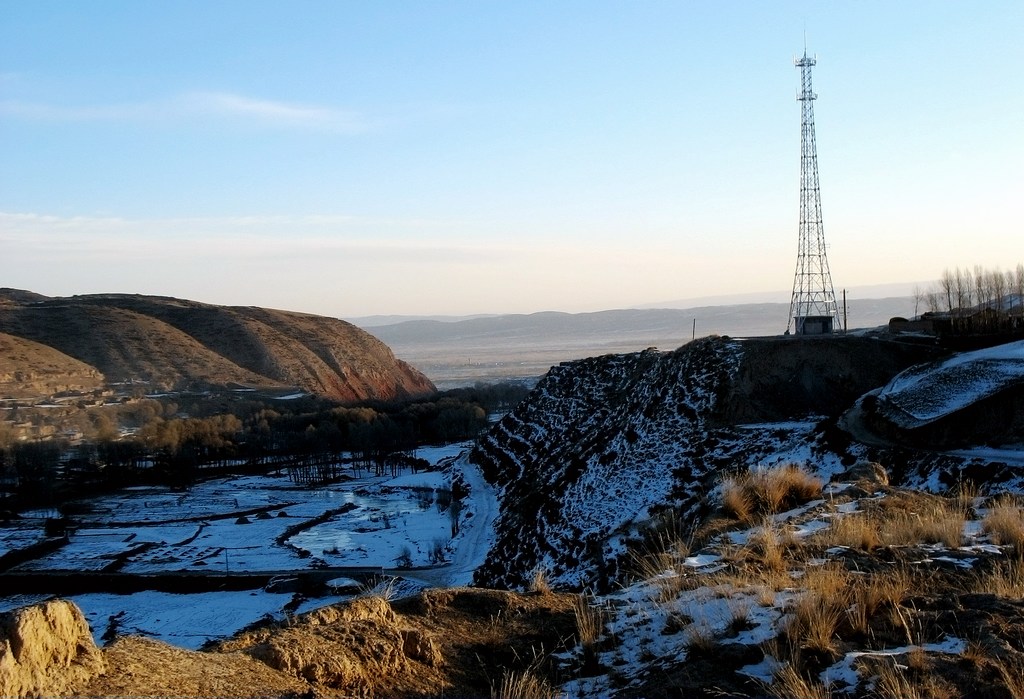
x=604, y=444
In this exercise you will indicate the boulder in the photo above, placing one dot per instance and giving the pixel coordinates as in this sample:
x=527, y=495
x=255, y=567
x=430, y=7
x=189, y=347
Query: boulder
x=869, y=472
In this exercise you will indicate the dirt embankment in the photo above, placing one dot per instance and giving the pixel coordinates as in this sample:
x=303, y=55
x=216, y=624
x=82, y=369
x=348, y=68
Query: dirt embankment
x=443, y=642
x=792, y=377
x=46, y=650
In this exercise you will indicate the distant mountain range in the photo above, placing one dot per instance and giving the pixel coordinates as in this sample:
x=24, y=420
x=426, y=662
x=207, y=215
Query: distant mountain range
x=459, y=350
x=74, y=343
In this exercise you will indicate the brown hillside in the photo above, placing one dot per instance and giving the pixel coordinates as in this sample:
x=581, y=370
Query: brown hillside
x=176, y=343
x=28, y=368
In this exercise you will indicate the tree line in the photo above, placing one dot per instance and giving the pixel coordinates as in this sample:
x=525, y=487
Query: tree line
x=976, y=300
x=314, y=439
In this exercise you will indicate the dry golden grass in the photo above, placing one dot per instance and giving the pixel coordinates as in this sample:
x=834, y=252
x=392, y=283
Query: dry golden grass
x=790, y=684
x=700, y=639
x=524, y=685
x=661, y=557
x=856, y=531
x=662, y=563
x=1005, y=524
x=897, y=683
x=768, y=491
x=760, y=565
x=589, y=621
x=866, y=595
x=736, y=502
x=768, y=549
x=814, y=624
x=765, y=596
x=1012, y=677
x=1005, y=579
x=899, y=521
x=539, y=582
x=965, y=494
x=934, y=521
x=739, y=614
x=819, y=610
x=831, y=581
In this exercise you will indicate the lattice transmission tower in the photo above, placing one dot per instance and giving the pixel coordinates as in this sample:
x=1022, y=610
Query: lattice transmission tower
x=813, y=309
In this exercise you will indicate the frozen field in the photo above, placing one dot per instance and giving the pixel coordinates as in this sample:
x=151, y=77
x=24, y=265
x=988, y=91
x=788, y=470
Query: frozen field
x=239, y=525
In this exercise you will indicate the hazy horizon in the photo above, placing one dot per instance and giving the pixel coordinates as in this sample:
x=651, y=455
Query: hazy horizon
x=353, y=159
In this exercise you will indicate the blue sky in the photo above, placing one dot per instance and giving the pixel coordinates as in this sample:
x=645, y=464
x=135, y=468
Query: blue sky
x=358, y=158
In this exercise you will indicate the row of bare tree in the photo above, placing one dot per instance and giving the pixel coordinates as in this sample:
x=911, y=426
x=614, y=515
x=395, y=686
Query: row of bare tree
x=961, y=291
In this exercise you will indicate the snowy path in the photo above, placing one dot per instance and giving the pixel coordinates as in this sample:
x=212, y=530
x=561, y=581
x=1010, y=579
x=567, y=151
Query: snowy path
x=475, y=537
x=477, y=534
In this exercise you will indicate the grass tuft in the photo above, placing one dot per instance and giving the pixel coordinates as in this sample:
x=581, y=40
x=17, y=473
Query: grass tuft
x=790, y=684
x=855, y=531
x=1005, y=524
x=1005, y=579
x=589, y=621
x=539, y=583
x=523, y=685
x=768, y=491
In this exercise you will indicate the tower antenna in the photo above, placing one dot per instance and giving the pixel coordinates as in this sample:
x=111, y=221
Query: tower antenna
x=812, y=308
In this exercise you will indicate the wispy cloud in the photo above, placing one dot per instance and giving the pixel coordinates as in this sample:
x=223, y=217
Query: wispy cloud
x=197, y=106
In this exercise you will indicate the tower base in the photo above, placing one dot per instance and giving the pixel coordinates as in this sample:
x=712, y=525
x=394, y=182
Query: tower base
x=814, y=325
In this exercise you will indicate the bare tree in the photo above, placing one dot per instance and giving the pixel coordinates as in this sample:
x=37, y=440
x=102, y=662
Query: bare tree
x=997, y=288
x=919, y=295
x=961, y=290
x=946, y=287
x=1018, y=284
x=981, y=292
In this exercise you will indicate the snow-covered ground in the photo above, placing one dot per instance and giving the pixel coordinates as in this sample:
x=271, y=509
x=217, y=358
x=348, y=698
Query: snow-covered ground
x=380, y=522
x=928, y=392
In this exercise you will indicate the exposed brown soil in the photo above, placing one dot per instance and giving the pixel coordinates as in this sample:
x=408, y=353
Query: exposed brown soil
x=29, y=369
x=452, y=643
x=173, y=343
x=142, y=667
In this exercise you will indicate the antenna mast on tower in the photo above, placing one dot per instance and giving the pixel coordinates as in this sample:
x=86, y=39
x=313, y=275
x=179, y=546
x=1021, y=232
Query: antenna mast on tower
x=813, y=309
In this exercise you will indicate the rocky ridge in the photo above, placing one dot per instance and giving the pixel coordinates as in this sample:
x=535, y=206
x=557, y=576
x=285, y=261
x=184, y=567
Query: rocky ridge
x=172, y=343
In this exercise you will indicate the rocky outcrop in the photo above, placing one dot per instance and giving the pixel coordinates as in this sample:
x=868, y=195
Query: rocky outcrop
x=174, y=343
x=594, y=447
x=46, y=650
x=603, y=445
